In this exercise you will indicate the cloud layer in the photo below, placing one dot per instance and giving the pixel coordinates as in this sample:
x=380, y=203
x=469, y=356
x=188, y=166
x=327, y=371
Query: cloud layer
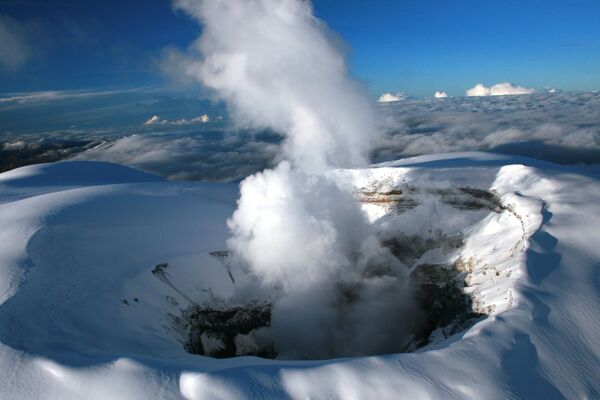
x=210, y=156
x=559, y=127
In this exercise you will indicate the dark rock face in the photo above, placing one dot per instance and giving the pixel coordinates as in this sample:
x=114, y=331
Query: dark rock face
x=42, y=151
x=406, y=198
x=438, y=291
x=213, y=331
x=408, y=248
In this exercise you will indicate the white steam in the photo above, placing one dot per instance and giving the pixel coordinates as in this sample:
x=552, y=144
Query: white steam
x=290, y=230
x=275, y=66
x=310, y=248
x=298, y=233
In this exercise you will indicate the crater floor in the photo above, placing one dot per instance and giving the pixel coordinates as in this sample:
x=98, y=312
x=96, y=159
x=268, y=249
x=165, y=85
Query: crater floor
x=436, y=271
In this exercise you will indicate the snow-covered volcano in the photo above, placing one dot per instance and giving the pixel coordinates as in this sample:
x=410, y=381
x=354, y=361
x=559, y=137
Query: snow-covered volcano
x=101, y=265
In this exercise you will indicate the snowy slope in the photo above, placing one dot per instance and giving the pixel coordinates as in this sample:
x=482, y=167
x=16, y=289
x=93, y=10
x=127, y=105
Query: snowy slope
x=82, y=316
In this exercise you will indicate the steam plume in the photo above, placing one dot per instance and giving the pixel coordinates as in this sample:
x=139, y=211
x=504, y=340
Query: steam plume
x=297, y=231
x=276, y=67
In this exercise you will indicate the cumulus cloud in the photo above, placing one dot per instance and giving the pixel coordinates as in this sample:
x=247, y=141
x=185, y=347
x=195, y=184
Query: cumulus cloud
x=499, y=89
x=15, y=48
x=390, y=98
x=440, y=95
x=202, y=119
x=152, y=120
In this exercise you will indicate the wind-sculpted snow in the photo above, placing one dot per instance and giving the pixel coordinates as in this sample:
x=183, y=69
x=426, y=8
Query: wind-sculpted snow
x=83, y=316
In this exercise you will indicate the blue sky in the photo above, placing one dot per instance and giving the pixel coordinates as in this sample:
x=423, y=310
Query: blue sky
x=414, y=46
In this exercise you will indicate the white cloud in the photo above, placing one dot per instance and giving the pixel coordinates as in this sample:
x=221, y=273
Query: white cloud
x=390, y=98
x=152, y=120
x=15, y=49
x=499, y=89
x=14, y=146
x=478, y=90
x=156, y=120
x=55, y=95
x=440, y=95
x=22, y=98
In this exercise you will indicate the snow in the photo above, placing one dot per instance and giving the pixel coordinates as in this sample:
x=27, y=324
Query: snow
x=83, y=316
